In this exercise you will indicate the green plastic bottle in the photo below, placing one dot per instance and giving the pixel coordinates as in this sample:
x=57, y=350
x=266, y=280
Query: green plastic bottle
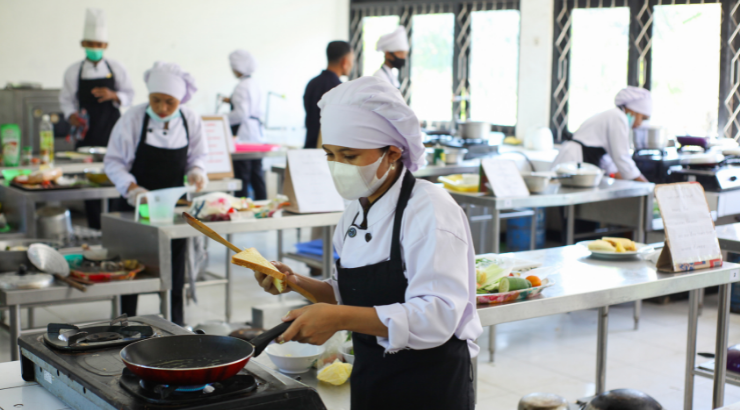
x=10, y=136
x=46, y=147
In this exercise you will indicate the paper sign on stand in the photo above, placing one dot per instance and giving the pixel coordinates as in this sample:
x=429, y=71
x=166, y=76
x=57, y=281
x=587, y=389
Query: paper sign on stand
x=691, y=240
x=218, y=137
x=308, y=183
x=504, y=177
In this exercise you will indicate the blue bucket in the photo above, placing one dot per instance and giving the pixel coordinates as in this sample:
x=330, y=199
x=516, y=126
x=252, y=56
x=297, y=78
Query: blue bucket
x=519, y=232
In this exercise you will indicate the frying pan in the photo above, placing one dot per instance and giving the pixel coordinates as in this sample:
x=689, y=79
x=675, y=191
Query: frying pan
x=193, y=360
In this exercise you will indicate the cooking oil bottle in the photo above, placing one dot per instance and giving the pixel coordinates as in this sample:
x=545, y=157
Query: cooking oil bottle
x=46, y=147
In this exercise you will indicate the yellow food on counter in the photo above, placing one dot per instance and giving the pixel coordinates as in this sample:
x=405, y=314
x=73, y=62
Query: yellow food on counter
x=600, y=245
x=627, y=244
x=336, y=373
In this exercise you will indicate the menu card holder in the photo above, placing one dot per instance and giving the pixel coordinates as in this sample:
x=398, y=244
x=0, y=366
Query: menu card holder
x=504, y=178
x=691, y=240
x=308, y=183
x=220, y=145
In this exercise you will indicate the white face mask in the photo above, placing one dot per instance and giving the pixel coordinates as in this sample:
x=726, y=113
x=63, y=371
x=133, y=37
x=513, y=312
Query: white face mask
x=354, y=182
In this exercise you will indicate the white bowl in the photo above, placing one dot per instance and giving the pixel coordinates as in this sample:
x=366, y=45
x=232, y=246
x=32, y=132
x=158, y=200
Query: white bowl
x=293, y=357
x=346, y=348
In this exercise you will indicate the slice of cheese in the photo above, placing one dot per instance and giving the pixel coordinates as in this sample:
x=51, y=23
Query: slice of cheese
x=250, y=258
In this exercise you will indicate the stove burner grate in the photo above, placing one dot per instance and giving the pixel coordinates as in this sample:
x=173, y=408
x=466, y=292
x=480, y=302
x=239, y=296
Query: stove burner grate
x=171, y=394
x=118, y=332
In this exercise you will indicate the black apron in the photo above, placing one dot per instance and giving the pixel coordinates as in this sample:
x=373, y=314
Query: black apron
x=591, y=155
x=160, y=168
x=437, y=378
x=103, y=116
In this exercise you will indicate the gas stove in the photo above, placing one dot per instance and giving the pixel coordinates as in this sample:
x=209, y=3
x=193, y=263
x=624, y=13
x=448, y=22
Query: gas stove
x=477, y=148
x=655, y=163
x=85, y=371
x=715, y=179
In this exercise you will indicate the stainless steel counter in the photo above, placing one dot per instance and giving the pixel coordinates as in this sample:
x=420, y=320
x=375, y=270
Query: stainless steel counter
x=613, y=201
x=68, y=166
x=20, y=205
x=239, y=156
x=620, y=282
x=151, y=244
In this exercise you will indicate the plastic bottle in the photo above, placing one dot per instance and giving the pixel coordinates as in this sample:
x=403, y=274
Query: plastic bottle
x=46, y=146
x=10, y=137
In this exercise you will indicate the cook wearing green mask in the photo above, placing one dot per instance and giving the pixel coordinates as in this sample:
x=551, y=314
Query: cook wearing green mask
x=93, y=91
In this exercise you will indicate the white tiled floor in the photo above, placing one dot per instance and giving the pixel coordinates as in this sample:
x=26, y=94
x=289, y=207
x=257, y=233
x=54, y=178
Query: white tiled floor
x=553, y=354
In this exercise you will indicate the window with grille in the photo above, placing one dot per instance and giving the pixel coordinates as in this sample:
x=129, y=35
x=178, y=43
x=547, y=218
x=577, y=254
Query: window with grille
x=432, y=40
x=372, y=29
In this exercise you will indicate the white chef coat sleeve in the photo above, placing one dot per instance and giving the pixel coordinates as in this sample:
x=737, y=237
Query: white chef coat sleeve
x=618, y=148
x=438, y=269
x=240, y=102
x=198, y=148
x=124, y=87
x=68, y=95
x=121, y=153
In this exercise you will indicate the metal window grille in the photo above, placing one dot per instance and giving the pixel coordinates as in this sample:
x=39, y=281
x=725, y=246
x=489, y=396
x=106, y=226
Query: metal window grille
x=729, y=108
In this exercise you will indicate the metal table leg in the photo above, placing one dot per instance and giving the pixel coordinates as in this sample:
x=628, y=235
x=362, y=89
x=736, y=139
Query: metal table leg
x=495, y=231
x=701, y=301
x=31, y=318
x=491, y=342
x=570, y=215
x=688, y=386
x=229, y=238
x=720, y=349
x=164, y=304
x=15, y=330
x=116, y=306
x=104, y=206
x=638, y=310
x=601, y=339
x=533, y=231
x=280, y=245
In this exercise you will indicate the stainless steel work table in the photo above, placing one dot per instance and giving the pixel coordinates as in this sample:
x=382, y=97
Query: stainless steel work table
x=20, y=205
x=729, y=237
x=239, y=156
x=613, y=201
x=151, y=244
x=59, y=293
x=620, y=282
x=67, y=166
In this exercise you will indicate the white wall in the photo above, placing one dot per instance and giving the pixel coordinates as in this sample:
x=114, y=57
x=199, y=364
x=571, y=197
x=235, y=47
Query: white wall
x=39, y=39
x=535, y=65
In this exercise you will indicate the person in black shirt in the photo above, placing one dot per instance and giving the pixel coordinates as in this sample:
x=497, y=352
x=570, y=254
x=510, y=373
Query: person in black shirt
x=340, y=60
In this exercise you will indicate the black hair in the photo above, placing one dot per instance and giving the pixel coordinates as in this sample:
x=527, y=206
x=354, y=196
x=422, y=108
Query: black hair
x=336, y=50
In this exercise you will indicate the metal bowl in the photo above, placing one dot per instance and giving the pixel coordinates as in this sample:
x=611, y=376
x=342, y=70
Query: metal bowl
x=97, y=176
x=455, y=156
x=97, y=153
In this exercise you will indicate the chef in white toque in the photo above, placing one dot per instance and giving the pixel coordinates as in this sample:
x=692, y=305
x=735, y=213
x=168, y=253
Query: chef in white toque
x=604, y=139
x=395, y=46
x=155, y=145
x=246, y=123
x=93, y=91
x=405, y=282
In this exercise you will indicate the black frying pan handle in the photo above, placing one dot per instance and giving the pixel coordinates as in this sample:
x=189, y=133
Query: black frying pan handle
x=260, y=342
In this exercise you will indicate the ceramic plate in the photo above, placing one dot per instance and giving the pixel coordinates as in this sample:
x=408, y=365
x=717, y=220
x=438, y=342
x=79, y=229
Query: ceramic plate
x=615, y=256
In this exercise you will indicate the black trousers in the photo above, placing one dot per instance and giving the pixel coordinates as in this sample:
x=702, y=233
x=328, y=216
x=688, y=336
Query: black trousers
x=93, y=209
x=250, y=173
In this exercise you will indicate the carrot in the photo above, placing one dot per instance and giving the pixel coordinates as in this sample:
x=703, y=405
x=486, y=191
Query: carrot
x=534, y=280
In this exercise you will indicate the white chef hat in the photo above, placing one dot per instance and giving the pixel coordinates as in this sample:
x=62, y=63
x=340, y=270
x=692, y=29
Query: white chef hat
x=395, y=41
x=96, y=28
x=370, y=113
x=170, y=79
x=243, y=62
x=636, y=99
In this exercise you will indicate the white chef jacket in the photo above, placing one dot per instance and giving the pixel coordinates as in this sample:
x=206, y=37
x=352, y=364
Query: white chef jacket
x=247, y=102
x=438, y=253
x=608, y=130
x=126, y=134
x=68, y=95
x=388, y=74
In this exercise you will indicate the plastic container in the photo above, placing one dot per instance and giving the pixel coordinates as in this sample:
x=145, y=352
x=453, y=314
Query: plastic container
x=46, y=142
x=161, y=203
x=519, y=232
x=461, y=182
x=10, y=138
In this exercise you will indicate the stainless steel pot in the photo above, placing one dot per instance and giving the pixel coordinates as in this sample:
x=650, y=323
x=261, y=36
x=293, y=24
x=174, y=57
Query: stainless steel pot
x=455, y=156
x=623, y=399
x=54, y=223
x=474, y=129
x=651, y=138
x=537, y=182
x=13, y=253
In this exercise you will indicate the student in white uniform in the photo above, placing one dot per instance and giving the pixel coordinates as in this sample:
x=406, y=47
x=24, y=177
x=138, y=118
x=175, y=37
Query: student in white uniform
x=603, y=140
x=99, y=86
x=154, y=146
x=245, y=121
x=405, y=282
x=395, y=46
